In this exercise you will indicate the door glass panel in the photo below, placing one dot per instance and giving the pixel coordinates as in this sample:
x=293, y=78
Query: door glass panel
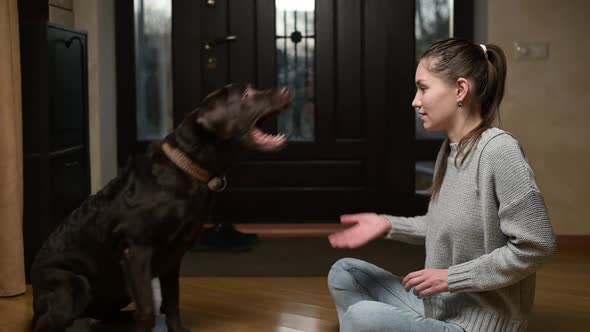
x=153, y=68
x=433, y=21
x=295, y=42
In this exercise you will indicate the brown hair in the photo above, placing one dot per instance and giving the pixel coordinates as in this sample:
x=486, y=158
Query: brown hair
x=452, y=59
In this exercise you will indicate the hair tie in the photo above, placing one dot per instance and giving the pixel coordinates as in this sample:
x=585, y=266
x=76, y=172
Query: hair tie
x=485, y=50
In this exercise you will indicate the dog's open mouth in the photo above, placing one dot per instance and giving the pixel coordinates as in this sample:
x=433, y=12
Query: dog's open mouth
x=265, y=141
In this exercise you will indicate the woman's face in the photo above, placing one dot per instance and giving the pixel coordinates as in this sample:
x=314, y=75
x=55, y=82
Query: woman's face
x=435, y=100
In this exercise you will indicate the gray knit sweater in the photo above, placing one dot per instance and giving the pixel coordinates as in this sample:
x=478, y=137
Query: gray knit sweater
x=489, y=228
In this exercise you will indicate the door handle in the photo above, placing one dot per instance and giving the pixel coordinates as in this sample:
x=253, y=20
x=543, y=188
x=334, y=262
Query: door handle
x=209, y=45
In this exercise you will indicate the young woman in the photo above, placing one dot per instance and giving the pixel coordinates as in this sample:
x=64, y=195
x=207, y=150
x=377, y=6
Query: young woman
x=486, y=231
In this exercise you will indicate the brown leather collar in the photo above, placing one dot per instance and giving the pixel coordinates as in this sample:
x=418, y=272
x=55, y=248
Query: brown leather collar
x=183, y=162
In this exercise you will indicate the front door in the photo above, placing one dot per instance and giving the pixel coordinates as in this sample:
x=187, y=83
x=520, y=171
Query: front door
x=349, y=66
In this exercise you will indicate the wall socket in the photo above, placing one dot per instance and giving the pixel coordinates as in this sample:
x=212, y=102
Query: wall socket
x=531, y=50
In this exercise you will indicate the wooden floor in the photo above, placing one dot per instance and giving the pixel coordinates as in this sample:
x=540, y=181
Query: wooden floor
x=303, y=304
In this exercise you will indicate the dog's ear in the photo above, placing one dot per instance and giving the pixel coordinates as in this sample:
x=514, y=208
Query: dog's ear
x=210, y=118
x=216, y=120
x=218, y=111
x=213, y=97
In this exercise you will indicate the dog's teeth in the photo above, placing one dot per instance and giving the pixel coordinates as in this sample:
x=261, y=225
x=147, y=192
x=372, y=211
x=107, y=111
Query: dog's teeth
x=258, y=134
x=264, y=138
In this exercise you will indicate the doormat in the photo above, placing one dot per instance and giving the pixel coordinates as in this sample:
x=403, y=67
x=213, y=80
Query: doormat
x=287, y=257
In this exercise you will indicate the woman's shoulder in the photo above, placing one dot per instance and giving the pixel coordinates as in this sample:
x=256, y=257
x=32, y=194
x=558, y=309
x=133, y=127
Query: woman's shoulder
x=502, y=157
x=498, y=143
x=502, y=154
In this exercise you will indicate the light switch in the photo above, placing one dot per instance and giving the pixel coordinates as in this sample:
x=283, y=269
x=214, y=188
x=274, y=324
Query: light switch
x=531, y=50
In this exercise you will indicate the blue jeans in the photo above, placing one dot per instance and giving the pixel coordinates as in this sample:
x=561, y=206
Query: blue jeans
x=369, y=298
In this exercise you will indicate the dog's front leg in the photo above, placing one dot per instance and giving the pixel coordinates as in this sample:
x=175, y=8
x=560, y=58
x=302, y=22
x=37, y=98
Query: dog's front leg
x=169, y=283
x=137, y=266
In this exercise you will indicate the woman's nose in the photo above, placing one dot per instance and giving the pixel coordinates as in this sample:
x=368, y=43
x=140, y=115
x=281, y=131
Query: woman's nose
x=416, y=103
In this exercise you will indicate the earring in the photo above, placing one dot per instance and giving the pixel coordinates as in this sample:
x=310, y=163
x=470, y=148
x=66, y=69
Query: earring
x=460, y=104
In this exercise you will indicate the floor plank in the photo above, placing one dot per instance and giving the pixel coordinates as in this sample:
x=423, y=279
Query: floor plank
x=278, y=304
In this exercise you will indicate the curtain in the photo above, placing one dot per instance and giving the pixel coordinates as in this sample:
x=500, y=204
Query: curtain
x=12, y=274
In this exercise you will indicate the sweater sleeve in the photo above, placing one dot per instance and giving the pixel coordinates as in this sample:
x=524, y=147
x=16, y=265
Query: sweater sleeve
x=523, y=220
x=409, y=230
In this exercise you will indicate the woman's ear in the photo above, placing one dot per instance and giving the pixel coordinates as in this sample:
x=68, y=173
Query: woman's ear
x=462, y=89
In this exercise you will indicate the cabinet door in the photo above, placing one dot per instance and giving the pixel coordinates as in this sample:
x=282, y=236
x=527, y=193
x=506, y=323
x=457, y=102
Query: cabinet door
x=67, y=88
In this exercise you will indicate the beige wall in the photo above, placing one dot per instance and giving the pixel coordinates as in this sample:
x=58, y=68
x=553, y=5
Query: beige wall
x=61, y=12
x=547, y=102
x=96, y=17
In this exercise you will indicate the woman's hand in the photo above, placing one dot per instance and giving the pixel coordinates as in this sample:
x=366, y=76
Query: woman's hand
x=427, y=282
x=366, y=227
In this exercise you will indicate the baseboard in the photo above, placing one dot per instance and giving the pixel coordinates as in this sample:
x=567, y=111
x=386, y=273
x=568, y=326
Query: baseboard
x=290, y=230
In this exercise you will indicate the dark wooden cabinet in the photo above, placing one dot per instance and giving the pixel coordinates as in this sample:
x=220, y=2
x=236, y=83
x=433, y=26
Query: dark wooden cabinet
x=55, y=129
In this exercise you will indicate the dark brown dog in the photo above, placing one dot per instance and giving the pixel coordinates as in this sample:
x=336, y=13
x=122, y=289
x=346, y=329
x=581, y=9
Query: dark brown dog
x=141, y=224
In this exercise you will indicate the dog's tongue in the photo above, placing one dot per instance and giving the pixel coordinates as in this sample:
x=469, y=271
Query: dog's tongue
x=267, y=142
